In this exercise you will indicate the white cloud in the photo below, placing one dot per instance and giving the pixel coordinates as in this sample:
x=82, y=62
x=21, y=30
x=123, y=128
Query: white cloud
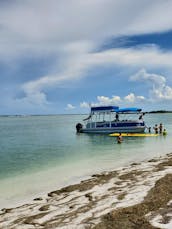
x=63, y=21
x=79, y=62
x=104, y=100
x=115, y=100
x=84, y=105
x=159, y=91
x=132, y=98
x=71, y=31
x=159, y=88
x=155, y=79
x=150, y=20
x=150, y=56
x=140, y=97
x=37, y=98
x=47, y=26
x=70, y=107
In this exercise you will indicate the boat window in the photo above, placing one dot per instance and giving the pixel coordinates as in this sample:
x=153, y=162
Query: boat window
x=132, y=116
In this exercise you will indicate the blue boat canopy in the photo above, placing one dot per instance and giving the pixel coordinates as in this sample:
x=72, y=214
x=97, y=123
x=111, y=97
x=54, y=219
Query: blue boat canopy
x=129, y=110
x=104, y=109
x=115, y=109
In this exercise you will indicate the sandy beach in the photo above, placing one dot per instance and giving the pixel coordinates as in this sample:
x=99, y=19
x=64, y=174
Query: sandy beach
x=137, y=196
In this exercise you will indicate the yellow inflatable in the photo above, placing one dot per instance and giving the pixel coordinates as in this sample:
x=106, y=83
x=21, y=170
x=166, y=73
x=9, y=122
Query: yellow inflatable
x=134, y=135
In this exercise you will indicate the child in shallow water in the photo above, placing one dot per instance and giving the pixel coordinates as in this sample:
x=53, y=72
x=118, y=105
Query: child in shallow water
x=164, y=132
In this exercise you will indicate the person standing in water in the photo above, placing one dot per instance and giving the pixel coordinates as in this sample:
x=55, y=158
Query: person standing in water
x=149, y=129
x=117, y=117
x=141, y=116
x=160, y=128
x=156, y=129
x=119, y=138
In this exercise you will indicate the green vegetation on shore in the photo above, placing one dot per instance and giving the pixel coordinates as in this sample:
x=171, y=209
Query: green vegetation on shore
x=159, y=111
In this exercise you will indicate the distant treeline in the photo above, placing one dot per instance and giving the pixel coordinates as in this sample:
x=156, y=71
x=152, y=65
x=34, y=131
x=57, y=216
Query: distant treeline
x=159, y=111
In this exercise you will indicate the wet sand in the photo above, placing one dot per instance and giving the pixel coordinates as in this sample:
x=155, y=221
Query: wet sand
x=137, y=196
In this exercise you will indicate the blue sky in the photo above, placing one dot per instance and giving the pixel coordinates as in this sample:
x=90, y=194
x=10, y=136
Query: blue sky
x=59, y=56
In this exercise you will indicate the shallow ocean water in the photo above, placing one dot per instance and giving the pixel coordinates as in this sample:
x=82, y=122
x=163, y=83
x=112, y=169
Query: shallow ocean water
x=42, y=153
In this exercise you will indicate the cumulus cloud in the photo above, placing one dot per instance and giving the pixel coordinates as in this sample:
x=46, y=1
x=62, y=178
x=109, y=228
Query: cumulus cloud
x=104, y=100
x=155, y=79
x=84, y=105
x=159, y=88
x=70, y=107
x=159, y=91
x=132, y=98
x=114, y=101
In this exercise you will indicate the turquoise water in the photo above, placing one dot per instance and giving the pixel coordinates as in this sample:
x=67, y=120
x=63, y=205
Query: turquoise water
x=38, y=153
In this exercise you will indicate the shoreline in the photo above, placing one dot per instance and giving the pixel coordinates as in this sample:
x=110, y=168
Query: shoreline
x=103, y=200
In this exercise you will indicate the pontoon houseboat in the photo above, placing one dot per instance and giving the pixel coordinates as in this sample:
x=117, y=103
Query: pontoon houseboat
x=112, y=119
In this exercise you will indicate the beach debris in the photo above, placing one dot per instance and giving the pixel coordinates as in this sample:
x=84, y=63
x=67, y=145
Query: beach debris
x=136, y=196
x=38, y=199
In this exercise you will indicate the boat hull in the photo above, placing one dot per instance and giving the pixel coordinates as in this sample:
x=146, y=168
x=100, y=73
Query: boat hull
x=114, y=130
x=132, y=126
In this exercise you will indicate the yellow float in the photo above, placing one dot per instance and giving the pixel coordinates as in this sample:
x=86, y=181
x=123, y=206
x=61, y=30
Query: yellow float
x=134, y=135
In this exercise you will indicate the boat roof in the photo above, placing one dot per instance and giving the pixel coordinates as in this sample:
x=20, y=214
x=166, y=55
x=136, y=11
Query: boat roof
x=104, y=108
x=115, y=109
x=129, y=110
